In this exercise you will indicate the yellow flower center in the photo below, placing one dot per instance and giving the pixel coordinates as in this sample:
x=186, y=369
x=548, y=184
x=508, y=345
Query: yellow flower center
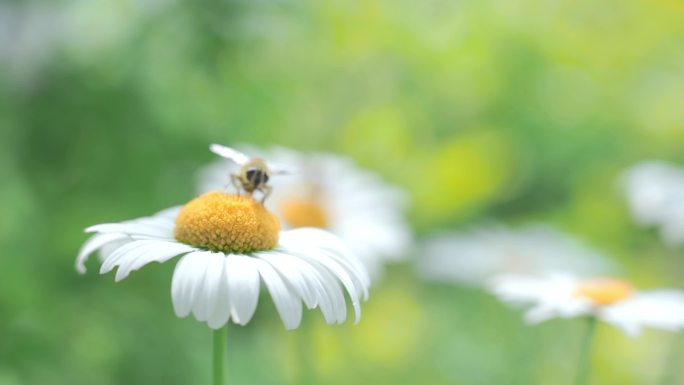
x=226, y=222
x=603, y=290
x=304, y=213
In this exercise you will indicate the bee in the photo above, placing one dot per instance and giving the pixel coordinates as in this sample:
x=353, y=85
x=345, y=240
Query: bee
x=254, y=173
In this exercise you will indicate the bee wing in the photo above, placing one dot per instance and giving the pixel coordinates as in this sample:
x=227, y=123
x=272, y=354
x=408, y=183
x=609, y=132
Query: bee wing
x=280, y=169
x=229, y=153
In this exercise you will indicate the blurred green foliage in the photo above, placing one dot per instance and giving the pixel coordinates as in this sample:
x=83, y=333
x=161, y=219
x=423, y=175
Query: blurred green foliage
x=520, y=111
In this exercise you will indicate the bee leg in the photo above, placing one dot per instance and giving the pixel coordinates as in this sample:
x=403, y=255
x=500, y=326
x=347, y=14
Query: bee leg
x=266, y=191
x=235, y=182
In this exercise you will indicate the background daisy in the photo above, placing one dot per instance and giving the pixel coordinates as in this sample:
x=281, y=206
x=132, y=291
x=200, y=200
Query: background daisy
x=655, y=196
x=331, y=192
x=474, y=257
x=610, y=300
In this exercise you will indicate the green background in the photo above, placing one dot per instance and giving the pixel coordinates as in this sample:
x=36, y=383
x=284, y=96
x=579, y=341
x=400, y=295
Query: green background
x=519, y=111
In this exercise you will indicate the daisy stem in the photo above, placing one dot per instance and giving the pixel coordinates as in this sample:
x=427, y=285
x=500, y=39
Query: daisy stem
x=584, y=366
x=219, y=349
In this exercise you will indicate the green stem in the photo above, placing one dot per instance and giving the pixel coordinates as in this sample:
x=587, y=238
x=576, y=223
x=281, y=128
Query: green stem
x=305, y=347
x=219, y=349
x=584, y=366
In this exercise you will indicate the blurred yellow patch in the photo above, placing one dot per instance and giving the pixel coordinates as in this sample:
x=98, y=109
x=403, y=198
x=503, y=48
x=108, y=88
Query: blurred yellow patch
x=624, y=360
x=604, y=290
x=353, y=26
x=660, y=104
x=391, y=328
x=596, y=209
x=671, y=5
x=463, y=173
x=304, y=213
x=326, y=344
x=378, y=136
x=329, y=343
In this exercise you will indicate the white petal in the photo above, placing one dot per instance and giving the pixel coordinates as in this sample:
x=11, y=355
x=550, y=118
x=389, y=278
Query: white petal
x=519, y=288
x=660, y=309
x=190, y=291
x=346, y=274
x=220, y=315
x=354, y=289
x=109, y=248
x=137, y=254
x=243, y=287
x=313, y=282
x=334, y=307
x=187, y=277
x=113, y=235
x=287, y=303
x=205, y=298
x=319, y=238
x=319, y=243
x=295, y=272
x=134, y=229
x=160, y=225
x=548, y=296
x=115, y=256
x=91, y=245
x=160, y=252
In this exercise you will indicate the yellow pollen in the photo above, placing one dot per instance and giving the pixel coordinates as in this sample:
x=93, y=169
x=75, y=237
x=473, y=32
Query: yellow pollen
x=603, y=290
x=226, y=222
x=304, y=213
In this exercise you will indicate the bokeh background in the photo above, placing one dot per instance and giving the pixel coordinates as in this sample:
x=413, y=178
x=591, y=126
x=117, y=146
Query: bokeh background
x=517, y=111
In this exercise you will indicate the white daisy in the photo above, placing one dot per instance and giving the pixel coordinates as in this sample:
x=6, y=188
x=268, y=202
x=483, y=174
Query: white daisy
x=655, y=195
x=474, y=257
x=228, y=246
x=611, y=300
x=331, y=192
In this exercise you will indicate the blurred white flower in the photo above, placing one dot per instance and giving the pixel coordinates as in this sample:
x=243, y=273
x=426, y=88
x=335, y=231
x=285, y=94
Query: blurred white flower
x=331, y=192
x=611, y=300
x=31, y=33
x=476, y=256
x=28, y=35
x=655, y=195
x=229, y=245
